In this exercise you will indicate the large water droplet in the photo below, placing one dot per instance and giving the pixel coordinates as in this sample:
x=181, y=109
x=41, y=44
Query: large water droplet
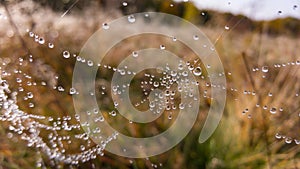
x=105, y=26
x=288, y=140
x=196, y=37
x=197, y=71
x=50, y=45
x=135, y=54
x=265, y=69
x=278, y=136
x=124, y=3
x=273, y=110
x=90, y=63
x=66, y=54
x=113, y=113
x=72, y=91
x=131, y=18
x=41, y=40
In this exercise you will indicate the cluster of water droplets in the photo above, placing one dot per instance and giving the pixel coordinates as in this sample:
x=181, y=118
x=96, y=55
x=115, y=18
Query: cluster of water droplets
x=60, y=130
x=278, y=110
x=50, y=135
x=287, y=139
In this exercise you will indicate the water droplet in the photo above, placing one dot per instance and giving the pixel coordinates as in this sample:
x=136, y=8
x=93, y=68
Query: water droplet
x=131, y=18
x=116, y=103
x=135, y=54
x=60, y=88
x=173, y=73
x=41, y=40
x=265, y=69
x=72, y=91
x=113, y=113
x=90, y=63
x=278, y=136
x=31, y=34
x=66, y=54
x=51, y=45
x=38, y=164
x=124, y=3
x=191, y=67
x=196, y=37
x=288, y=140
x=156, y=84
x=181, y=106
x=105, y=26
x=18, y=80
x=31, y=105
x=180, y=66
x=29, y=95
x=273, y=110
x=82, y=148
x=197, y=71
x=185, y=73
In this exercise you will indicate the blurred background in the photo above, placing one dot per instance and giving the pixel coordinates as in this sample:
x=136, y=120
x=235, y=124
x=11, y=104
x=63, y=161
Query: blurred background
x=258, y=44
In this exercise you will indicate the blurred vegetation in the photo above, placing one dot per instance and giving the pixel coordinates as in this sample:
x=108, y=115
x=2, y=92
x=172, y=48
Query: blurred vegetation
x=241, y=141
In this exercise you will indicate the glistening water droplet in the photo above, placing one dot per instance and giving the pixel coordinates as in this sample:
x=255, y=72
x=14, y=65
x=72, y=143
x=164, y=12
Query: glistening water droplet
x=105, y=26
x=66, y=54
x=131, y=18
x=196, y=37
x=135, y=54
x=265, y=69
x=273, y=110
x=197, y=71
x=124, y=3
x=50, y=45
x=41, y=40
